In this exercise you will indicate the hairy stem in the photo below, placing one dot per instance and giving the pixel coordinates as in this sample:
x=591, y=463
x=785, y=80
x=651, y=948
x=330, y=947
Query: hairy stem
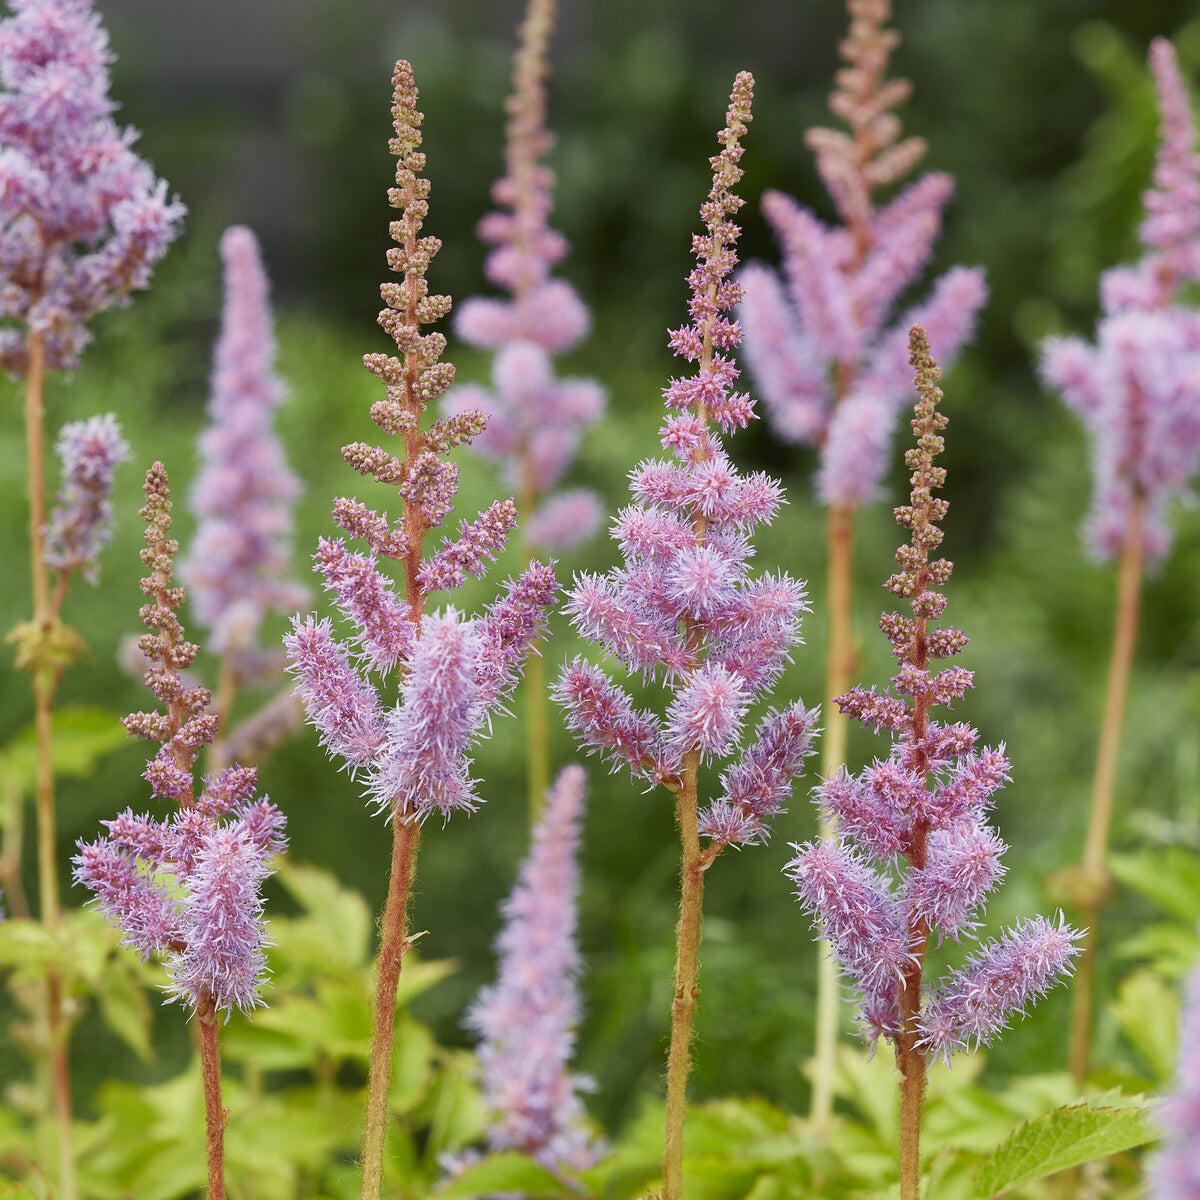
x=393, y=944
x=1094, y=872
x=537, y=730
x=687, y=964
x=214, y=1113
x=10, y=857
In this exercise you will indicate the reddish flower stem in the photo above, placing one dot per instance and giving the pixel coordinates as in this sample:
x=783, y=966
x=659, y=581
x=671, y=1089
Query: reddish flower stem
x=214, y=1113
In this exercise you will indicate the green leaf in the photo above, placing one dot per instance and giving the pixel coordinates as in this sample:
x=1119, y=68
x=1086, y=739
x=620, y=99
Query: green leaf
x=1170, y=877
x=507, y=1172
x=83, y=735
x=1171, y=947
x=338, y=916
x=125, y=1008
x=1067, y=1137
x=1148, y=1013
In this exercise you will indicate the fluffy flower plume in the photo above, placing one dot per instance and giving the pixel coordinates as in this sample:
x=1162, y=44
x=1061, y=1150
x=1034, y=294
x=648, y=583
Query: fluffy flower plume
x=684, y=606
x=924, y=805
x=456, y=670
x=1175, y=1172
x=186, y=886
x=81, y=523
x=238, y=569
x=527, y=1019
x=534, y=419
x=1135, y=387
x=83, y=220
x=827, y=357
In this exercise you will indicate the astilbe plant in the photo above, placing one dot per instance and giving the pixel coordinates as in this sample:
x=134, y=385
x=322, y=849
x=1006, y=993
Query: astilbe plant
x=827, y=353
x=187, y=886
x=1135, y=390
x=238, y=567
x=684, y=608
x=535, y=419
x=454, y=670
x=925, y=805
x=527, y=1019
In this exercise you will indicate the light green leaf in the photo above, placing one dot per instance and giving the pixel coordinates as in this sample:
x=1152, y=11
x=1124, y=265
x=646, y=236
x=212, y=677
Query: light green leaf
x=339, y=916
x=82, y=736
x=125, y=1008
x=1067, y=1137
x=1170, y=877
x=507, y=1172
x=412, y=1065
x=1148, y=1013
x=418, y=977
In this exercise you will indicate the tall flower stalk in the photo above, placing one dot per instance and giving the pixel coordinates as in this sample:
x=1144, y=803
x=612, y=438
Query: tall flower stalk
x=82, y=222
x=187, y=886
x=455, y=670
x=1135, y=391
x=685, y=608
x=830, y=367
x=535, y=419
x=925, y=805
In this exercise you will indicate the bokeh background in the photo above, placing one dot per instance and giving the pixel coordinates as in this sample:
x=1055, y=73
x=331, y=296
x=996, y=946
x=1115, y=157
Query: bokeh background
x=274, y=113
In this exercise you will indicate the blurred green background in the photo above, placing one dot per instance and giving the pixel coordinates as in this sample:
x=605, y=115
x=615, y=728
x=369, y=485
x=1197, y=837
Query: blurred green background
x=276, y=115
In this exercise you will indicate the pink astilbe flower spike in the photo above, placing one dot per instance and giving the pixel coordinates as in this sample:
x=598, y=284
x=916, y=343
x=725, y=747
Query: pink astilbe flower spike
x=1174, y=1173
x=528, y=1018
x=187, y=886
x=81, y=523
x=821, y=342
x=535, y=419
x=83, y=220
x=238, y=568
x=923, y=806
x=1135, y=387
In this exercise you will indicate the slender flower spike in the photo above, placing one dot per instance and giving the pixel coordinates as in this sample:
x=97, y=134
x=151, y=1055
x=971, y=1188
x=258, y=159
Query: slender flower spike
x=534, y=419
x=1175, y=1172
x=925, y=806
x=238, y=569
x=1135, y=387
x=527, y=1019
x=822, y=345
x=186, y=886
x=83, y=220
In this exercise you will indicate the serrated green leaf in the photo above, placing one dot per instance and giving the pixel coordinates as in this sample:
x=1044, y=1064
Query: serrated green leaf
x=1067, y=1137
x=83, y=734
x=126, y=1008
x=336, y=914
x=1171, y=947
x=1148, y=1013
x=412, y=1065
x=419, y=976
x=1170, y=877
x=506, y=1172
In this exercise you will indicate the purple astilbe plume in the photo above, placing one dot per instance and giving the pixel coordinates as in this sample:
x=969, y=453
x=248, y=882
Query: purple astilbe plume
x=534, y=418
x=1175, y=1172
x=80, y=524
x=822, y=345
x=186, y=886
x=924, y=805
x=83, y=220
x=527, y=1019
x=238, y=568
x=1135, y=388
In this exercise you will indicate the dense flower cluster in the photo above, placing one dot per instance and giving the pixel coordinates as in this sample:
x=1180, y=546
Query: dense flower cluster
x=83, y=220
x=527, y=1019
x=80, y=525
x=684, y=605
x=457, y=670
x=927, y=804
x=534, y=418
x=1135, y=387
x=188, y=885
x=238, y=567
x=831, y=367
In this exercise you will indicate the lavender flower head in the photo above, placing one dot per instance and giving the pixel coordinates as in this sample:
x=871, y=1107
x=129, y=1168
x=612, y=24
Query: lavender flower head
x=684, y=605
x=527, y=1019
x=1136, y=387
x=187, y=886
x=455, y=669
x=83, y=220
x=926, y=803
x=80, y=524
x=534, y=419
x=1175, y=1172
x=238, y=569
x=831, y=366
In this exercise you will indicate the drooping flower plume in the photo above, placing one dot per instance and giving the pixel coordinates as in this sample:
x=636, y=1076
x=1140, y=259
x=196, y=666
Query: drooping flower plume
x=828, y=357
x=924, y=805
x=528, y=1018
x=534, y=418
x=186, y=886
x=238, y=568
x=83, y=220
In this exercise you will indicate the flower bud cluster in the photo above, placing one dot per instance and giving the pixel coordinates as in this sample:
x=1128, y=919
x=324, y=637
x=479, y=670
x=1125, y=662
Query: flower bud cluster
x=455, y=670
x=925, y=805
x=684, y=606
x=189, y=885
